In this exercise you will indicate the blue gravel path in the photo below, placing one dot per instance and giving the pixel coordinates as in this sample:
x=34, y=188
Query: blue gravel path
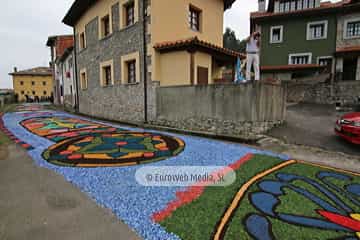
x=116, y=188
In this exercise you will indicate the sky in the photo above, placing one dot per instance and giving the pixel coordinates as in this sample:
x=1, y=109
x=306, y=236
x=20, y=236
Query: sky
x=26, y=25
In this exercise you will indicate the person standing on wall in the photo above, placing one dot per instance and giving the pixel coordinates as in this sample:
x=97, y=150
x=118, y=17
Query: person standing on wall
x=252, y=55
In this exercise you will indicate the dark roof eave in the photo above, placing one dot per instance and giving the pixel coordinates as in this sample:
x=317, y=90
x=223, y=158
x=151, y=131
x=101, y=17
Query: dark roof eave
x=289, y=68
x=31, y=74
x=67, y=52
x=228, y=4
x=76, y=10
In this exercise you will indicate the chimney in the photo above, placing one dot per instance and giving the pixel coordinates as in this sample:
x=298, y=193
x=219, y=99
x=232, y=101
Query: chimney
x=262, y=5
x=15, y=69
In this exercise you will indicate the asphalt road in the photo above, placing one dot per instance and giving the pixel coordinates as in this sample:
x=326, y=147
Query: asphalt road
x=313, y=125
x=38, y=204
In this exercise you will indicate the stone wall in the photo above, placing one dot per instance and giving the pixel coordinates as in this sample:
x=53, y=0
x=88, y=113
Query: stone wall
x=243, y=110
x=346, y=92
x=120, y=102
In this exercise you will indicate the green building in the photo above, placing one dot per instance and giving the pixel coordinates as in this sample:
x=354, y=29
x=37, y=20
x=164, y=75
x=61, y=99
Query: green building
x=307, y=38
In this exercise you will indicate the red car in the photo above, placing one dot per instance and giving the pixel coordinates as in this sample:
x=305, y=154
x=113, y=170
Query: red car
x=348, y=127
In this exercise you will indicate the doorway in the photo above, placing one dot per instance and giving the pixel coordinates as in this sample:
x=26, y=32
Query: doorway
x=203, y=76
x=349, y=68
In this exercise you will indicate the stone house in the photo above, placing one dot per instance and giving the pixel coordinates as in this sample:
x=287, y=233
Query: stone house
x=58, y=45
x=307, y=38
x=126, y=49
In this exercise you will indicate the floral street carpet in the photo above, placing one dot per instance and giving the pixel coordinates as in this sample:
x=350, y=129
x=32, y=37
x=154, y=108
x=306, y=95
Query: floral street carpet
x=273, y=196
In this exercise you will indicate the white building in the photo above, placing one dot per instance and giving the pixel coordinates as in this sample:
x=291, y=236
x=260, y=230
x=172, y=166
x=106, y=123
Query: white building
x=66, y=74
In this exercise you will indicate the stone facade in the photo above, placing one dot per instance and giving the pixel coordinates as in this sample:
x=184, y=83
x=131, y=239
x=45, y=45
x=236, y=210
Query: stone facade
x=246, y=130
x=121, y=102
x=345, y=92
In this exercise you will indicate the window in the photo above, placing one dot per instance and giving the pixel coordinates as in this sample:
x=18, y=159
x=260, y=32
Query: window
x=44, y=83
x=352, y=29
x=22, y=92
x=293, y=5
x=22, y=83
x=131, y=71
x=194, y=18
x=70, y=63
x=326, y=61
x=130, y=13
x=45, y=93
x=33, y=83
x=34, y=93
x=105, y=29
x=83, y=80
x=276, y=34
x=300, y=58
x=82, y=40
x=106, y=73
x=130, y=68
x=317, y=30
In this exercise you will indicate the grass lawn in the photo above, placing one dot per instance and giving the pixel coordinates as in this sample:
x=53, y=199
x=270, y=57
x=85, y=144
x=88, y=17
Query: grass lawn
x=4, y=139
x=8, y=108
x=4, y=109
x=283, y=204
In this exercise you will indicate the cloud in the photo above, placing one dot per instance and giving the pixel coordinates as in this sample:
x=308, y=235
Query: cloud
x=24, y=29
x=238, y=17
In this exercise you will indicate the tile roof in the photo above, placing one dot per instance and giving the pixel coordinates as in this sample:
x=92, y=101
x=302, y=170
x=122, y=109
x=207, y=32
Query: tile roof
x=195, y=42
x=323, y=6
x=61, y=43
x=290, y=67
x=38, y=71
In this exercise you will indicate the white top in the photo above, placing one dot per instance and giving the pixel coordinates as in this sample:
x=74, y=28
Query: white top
x=252, y=46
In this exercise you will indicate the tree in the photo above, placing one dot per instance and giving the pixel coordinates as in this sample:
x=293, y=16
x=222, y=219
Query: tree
x=231, y=42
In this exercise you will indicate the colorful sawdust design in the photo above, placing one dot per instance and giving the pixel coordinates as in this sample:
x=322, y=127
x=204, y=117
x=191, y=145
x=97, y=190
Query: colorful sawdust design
x=271, y=199
x=84, y=143
x=29, y=107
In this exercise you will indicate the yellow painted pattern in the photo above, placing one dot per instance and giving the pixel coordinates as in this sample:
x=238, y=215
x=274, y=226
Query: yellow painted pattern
x=97, y=156
x=73, y=148
x=328, y=167
x=355, y=216
x=133, y=155
x=241, y=193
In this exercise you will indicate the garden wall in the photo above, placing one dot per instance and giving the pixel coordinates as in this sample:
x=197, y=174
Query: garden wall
x=244, y=109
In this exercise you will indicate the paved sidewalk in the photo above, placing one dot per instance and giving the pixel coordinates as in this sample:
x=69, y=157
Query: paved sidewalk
x=313, y=125
x=36, y=203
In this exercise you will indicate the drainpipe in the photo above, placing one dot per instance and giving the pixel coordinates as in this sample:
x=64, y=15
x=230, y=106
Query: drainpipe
x=76, y=75
x=333, y=67
x=145, y=61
